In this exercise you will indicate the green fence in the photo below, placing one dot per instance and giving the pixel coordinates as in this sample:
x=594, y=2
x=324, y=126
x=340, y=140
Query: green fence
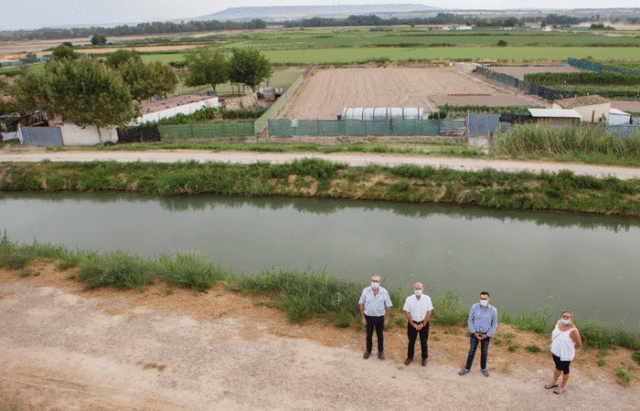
x=208, y=130
x=584, y=65
x=262, y=122
x=390, y=127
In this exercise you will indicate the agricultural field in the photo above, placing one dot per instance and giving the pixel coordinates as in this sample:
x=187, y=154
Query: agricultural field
x=326, y=92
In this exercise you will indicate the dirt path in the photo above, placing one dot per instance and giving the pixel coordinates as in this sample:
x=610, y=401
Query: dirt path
x=243, y=157
x=158, y=350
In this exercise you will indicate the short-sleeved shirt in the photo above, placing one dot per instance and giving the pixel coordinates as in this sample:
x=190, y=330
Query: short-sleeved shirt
x=374, y=305
x=418, y=308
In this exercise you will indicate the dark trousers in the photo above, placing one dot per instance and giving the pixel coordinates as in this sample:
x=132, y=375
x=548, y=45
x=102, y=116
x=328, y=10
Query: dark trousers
x=378, y=324
x=412, y=333
x=484, y=350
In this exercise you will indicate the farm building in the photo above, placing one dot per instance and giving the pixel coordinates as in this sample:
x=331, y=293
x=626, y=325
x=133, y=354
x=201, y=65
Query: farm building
x=169, y=107
x=618, y=117
x=66, y=135
x=555, y=117
x=593, y=109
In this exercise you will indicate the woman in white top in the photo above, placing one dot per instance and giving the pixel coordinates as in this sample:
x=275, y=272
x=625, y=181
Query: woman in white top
x=565, y=340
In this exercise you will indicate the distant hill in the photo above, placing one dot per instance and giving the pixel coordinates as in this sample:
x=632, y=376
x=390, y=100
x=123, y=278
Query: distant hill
x=284, y=13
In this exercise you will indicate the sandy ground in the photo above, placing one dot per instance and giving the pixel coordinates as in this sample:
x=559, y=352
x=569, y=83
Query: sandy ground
x=63, y=349
x=326, y=92
x=243, y=157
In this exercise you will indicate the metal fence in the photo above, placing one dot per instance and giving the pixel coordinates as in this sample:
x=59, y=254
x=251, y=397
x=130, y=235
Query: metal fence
x=389, y=127
x=526, y=86
x=623, y=131
x=208, y=130
x=597, y=67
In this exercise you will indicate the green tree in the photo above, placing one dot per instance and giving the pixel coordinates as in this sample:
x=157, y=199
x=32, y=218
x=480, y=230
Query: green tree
x=98, y=39
x=115, y=59
x=147, y=80
x=82, y=91
x=64, y=52
x=205, y=67
x=248, y=66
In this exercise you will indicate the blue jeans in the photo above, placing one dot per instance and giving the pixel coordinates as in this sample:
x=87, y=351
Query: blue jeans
x=484, y=350
x=378, y=324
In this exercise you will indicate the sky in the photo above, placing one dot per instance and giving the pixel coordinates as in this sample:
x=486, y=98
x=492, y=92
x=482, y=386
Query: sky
x=33, y=14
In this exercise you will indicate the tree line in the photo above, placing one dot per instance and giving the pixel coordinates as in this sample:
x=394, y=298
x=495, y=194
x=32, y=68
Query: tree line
x=87, y=91
x=440, y=18
x=125, y=30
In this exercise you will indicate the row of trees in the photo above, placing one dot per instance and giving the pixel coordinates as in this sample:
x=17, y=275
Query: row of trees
x=125, y=30
x=86, y=91
x=245, y=66
x=440, y=18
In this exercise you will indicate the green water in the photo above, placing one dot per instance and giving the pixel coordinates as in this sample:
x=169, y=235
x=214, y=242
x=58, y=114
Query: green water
x=525, y=260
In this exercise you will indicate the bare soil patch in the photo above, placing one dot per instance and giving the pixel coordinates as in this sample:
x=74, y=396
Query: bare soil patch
x=168, y=349
x=326, y=92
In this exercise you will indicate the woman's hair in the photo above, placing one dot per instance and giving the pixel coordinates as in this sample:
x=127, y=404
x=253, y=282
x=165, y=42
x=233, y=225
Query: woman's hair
x=566, y=311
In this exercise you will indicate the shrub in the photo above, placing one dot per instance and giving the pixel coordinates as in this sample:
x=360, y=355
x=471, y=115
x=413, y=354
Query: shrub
x=118, y=269
x=624, y=372
x=601, y=363
x=189, y=271
x=636, y=357
x=513, y=347
x=533, y=348
x=449, y=310
x=502, y=43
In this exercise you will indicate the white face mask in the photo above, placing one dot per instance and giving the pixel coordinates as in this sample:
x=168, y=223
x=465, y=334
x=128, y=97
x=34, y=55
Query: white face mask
x=565, y=322
x=484, y=303
x=418, y=293
x=374, y=286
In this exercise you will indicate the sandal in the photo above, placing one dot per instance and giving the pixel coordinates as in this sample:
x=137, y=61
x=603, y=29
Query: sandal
x=550, y=386
x=558, y=391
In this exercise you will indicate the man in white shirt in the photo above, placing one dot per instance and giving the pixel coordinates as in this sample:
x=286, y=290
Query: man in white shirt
x=375, y=305
x=418, y=309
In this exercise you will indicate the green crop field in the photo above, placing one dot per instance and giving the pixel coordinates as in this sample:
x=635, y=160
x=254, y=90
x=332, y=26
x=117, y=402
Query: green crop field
x=346, y=55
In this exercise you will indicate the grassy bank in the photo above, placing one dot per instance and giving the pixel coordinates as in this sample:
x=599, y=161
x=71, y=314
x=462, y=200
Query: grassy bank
x=301, y=295
x=561, y=192
x=591, y=145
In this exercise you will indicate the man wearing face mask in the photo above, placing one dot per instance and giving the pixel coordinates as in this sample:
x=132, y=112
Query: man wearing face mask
x=418, y=309
x=375, y=306
x=483, y=321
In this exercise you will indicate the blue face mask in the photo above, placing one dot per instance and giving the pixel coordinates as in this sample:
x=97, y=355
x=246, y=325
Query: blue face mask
x=566, y=322
x=484, y=303
x=418, y=293
x=374, y=286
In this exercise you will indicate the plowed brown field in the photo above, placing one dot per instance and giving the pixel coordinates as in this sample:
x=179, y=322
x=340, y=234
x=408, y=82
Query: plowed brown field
x=326, y=92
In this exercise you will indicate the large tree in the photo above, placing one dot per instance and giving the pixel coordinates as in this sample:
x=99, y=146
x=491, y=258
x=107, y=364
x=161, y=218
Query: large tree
x=115, y=59
x=64, y=52
x=82, y=91
x=147, y=80
x=248, y=66
x=205, y=67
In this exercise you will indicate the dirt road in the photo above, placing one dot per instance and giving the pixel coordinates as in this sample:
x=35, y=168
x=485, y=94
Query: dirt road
x=160, y=350
x=243, y=157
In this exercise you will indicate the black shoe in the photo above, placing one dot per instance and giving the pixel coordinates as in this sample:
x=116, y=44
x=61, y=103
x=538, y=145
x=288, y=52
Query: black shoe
x=381, y=355
x=408, y=361
x=424, y=362
x=366, y=354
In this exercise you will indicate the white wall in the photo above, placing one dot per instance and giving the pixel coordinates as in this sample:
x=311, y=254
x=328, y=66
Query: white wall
x=73, y=135
x=184, y=109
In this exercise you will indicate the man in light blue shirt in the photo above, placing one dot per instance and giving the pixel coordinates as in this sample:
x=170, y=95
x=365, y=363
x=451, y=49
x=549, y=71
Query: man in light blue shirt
x=375, y=305
x=483, y=321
